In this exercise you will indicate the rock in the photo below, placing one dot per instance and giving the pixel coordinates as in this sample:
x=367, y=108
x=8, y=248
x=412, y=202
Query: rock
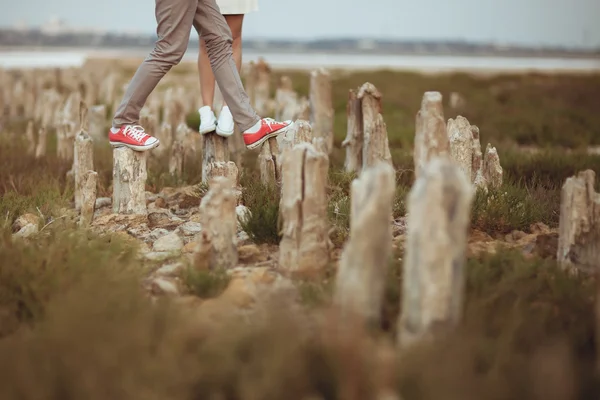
x=170, y=269
x=539, y=228
x=163, y=286
x=158, y=255
x=26, y=231
x=243, y=213
x=479, y=236
x=476, y=248
x=249, y=254
x=191, y=228
x=151, y=196
x=102, y=202
x=156, y=234
x=189, y=247
x=24, y=220
x=547, y=245
x=160, y=202
x=263, y=276
x=170, y=242
x=242, y=238
x=515, y=236
x=118, y=222
x=158, y=219
x=240, y=293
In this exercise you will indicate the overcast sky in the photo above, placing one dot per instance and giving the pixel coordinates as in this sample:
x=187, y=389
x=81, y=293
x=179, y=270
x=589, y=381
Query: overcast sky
x=530, y=22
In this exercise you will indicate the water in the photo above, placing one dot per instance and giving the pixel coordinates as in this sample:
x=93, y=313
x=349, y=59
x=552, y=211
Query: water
x=76, y=57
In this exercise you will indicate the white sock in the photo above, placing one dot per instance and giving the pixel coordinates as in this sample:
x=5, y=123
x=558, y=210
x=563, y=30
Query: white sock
x=254, y=128
x=115, y=130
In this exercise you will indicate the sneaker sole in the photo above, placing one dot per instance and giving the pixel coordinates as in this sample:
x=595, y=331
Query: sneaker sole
x=223, y=133
x=207, y=130
x=117, y=145
x=267, y=137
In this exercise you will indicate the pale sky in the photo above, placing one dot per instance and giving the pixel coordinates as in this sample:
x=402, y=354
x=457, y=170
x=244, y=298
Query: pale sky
x=571, y=23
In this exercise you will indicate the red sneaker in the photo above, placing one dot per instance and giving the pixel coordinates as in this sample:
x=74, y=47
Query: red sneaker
x=266, y=128
x=132, y=136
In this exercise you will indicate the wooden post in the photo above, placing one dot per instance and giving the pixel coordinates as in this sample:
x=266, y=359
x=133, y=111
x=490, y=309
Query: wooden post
x=165, y=135
x=439, y=207
x=354, y=134
x=579, y=224
x=304, y=245
x=287, y=106
x=477, y=164
x=226, y=169
x=492, y=170
x=129, y=181
x=375, y=141
x=268, y=162
x=83, y=159
x=98, y=122
x=465, y=150
x=178, y=150
x=40, y=150
x=431, y=139
x=461, y=142
x=251, y=78
x=300, y=132
x=321, y=106
x=214, y=149
x=262, y=89
x=361, y=275
x=219, y=221
x=30, y=138
x=88, y=198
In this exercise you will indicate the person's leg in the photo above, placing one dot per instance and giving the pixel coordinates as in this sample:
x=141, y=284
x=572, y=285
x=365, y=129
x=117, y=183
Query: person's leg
x=208, y=121
x=216, y=33
x=225, y=125
x=174, y=20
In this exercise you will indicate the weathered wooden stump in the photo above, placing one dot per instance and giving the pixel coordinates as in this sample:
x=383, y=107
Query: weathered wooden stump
x=40, y=150
x=269, y=163
x=98, y=122
x=431, y=139
x=375, y=146
x=83, y=159
x=129, y=181
x=262, y=90
x=492, y=170
x=214, y=149
x=300, y=132
x=439, y=207
x=165, y=135
x=287, y=106
x=178, y=149
x=354, y=134
x=226, y=169
x=465, y=150
x=30, y=138
x=460, y=137
x=321, y=106
x=219, y=224
x=88, y=198
x=361, y=275
x=304, y=245
x=579, y=224
x=366, y=140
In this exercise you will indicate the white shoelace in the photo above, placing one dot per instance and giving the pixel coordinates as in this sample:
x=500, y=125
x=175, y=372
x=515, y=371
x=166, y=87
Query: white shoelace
x=136, y=132
x=269, y=121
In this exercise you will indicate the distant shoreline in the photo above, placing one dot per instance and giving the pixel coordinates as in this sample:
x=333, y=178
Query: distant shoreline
x=144, y=50
x=73, y=56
